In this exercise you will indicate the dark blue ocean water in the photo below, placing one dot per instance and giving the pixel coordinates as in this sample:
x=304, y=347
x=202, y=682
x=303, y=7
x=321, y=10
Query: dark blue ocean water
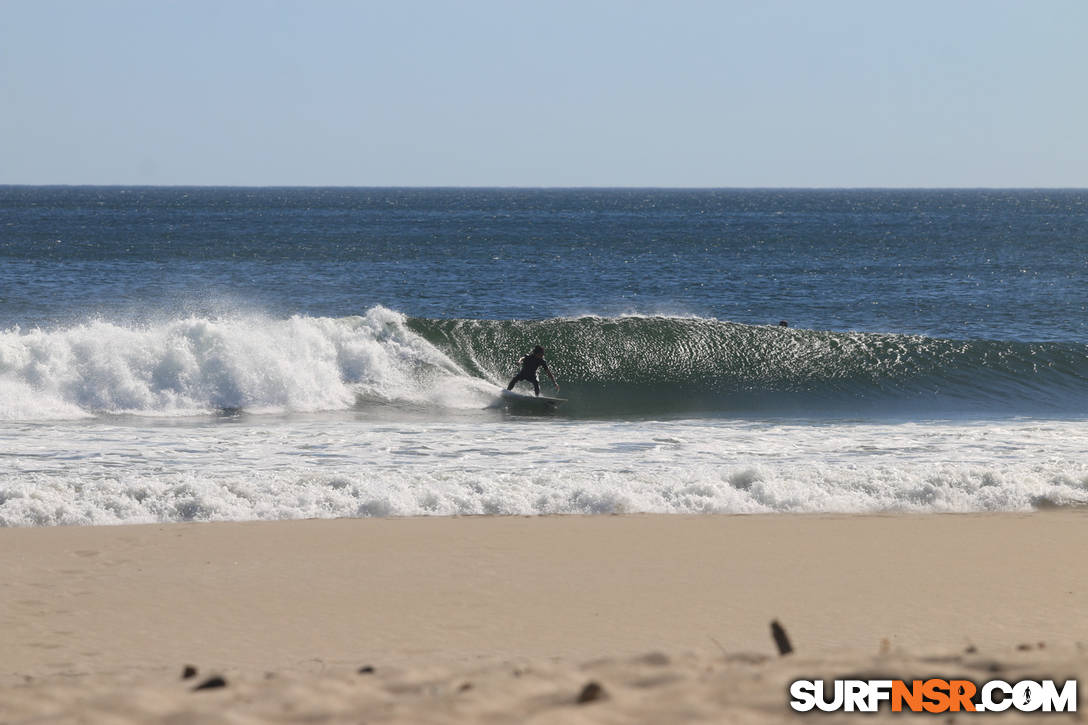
x=961, y=264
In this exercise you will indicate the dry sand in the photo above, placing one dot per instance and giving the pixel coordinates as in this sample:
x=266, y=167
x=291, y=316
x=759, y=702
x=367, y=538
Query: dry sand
x=486, y=619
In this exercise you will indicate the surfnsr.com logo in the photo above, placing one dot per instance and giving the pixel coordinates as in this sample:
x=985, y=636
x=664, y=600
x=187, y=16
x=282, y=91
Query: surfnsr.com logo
x=933, y=696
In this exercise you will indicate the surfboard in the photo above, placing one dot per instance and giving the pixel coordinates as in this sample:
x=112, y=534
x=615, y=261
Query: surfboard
x=531, y=400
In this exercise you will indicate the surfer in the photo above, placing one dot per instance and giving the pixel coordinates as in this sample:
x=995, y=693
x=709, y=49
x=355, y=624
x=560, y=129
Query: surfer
x=529, y=365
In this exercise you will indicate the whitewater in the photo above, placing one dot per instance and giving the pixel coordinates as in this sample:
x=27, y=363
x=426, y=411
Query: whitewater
x=325, y=466
x=196, y=366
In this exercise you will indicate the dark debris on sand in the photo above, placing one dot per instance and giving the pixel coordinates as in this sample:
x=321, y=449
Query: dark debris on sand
x=212, y=683
x=591, y=693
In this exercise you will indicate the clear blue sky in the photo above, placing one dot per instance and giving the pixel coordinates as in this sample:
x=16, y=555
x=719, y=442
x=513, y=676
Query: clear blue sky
x=510, y=93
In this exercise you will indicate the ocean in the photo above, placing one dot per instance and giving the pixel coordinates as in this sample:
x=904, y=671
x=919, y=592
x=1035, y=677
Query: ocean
x=194, y=354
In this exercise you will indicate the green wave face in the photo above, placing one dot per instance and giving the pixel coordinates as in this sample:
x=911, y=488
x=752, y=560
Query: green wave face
x=648, y=365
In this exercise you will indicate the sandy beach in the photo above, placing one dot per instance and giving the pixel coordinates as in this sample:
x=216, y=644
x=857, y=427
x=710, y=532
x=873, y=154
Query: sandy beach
x=506, y=619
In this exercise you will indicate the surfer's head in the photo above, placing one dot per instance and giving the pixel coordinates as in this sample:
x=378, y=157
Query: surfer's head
x=538, y=350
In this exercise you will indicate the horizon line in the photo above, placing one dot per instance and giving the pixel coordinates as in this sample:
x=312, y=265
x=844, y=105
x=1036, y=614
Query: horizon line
x=516, y=187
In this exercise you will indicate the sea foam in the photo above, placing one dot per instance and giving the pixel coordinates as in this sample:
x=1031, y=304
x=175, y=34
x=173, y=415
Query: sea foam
x=196, y=366
x=347, y=466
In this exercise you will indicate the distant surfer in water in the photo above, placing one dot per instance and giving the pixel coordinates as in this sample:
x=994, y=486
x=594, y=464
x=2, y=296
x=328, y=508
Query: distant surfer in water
x=529, y=365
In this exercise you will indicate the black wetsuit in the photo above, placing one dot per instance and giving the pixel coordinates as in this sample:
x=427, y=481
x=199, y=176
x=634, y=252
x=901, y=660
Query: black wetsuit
x=529, y=365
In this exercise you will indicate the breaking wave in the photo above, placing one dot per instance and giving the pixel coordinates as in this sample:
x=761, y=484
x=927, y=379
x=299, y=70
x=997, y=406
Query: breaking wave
x=608, y=367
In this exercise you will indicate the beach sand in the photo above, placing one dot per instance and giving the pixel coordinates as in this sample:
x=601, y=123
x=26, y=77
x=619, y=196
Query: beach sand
x=507, y=619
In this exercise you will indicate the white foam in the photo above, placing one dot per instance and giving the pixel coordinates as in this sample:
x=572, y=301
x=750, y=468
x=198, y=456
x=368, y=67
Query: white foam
x=322, y=466
x=197, y=366
x=21, y=401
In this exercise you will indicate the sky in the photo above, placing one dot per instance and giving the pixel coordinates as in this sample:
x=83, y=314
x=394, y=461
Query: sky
x=677, y=93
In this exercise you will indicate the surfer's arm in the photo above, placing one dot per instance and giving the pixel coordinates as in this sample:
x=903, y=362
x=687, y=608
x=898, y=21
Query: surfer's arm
x=548, y=370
